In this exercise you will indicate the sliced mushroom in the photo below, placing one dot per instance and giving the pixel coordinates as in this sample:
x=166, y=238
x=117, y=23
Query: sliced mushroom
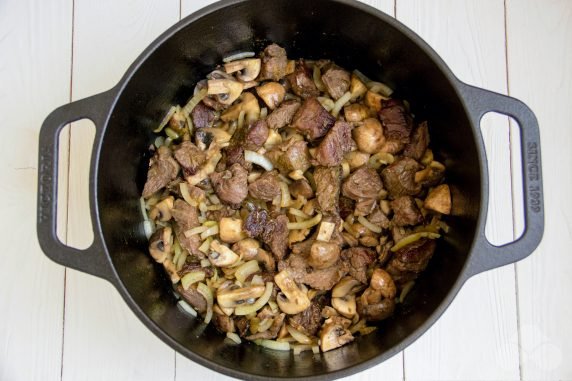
x=346, y=305
x=162, y=210
x=292, y=300
x=235, y=296
x=221, y=255
x=226, y=90
x=357, y=87
x=346, y=286
x=266, y=259
x=171, y=269
x=369, y=136
x=248, y=68
x=356, y=112
x=248, y=104
x=272, y=93
x=247, y=248
x=323, y=254
x=160, y=244
x=439, y=199
x=230, y=229
x=356, y=159
x=373, y=100
x=334, y=336
x=382, y=281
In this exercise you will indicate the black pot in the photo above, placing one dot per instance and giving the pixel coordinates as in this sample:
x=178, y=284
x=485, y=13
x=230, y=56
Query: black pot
x=355, y=36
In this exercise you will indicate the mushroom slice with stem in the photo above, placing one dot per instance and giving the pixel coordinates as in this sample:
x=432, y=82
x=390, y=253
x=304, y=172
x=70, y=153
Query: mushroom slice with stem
x=226, y=90
x=272, y=93
x=248, y=104
x=160, y=244
x=292, y=300
x=248, y=69
x=234, y=297
x=162, y=210
x=221, y=255
x=346, y=286
x=334, y=336
x=346, y=305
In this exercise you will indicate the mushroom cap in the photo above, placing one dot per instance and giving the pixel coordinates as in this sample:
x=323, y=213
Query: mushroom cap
x=346, y=305
x=334, y=336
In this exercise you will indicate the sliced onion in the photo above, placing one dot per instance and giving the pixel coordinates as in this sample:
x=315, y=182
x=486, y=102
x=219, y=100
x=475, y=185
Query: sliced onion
x=194, y=231
x=316, y=349
x=206, y=169
x=213, y=230
x=260, y=302
x=305, y=224
x=326, y=103
x=412, y=238
x=241, y=119
x=341, y=103
x=233, y=337
x=246, y=269
x=238, y=56
x=380, y=88
x=166, y=119
x=318, y=79
x=204, y=248
x=143, y=209
x=195, y=100
x=286, y=199
x=191, y=278
x=265, y=324
x=365, y=222
x=406, y=288
x=258, y=159
x=184, y=187
x=263, y=112
x=186, y=307
x=272, y=344
x=362, y=77
x=206, y=292
x=159, y=141
x=299, y=348
x=148, y=228
x=299, y=336
x=298, y=213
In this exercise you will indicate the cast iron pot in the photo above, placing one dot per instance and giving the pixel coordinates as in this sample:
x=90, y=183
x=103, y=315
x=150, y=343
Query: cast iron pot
x=355, y=36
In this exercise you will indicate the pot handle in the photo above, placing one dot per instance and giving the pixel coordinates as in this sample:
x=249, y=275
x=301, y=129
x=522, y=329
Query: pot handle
x=93, y=259
x=487, y=256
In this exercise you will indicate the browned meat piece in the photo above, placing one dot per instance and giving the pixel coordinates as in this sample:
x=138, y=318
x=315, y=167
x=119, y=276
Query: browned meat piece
x=312, y=119
x=274, y=63
x=275, y=235
x=307, y=321
x=271, y=332
x=283, y=115
x=392, y=146
x=365, y=206
x=396, y=121
x=301, y=188
x=162, y=169
x=328, y=188
x=255, y=222
x=193, y=297
x=347, y=207
x=196, y=266
x=302, y=272
x=290, y=156
x=364, y=182
x=336, y=80
x=377, y=217
x=223, y=323
x=378, y=311
x=337, y=142
x=256, y=135
x=399, y=178
x=242, y=324
x=190, y=157
x=434, y=177
x=419, y=142
x=234, y=154
x=301, y=81
x=187, y=218
x=216, y=215
x=231, y=186
x=202, y=116
x=359, y=258
x=405, y=211
x=266, y=187
x=413, y=257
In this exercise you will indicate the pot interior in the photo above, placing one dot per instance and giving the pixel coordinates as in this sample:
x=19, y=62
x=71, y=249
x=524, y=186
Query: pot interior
x=355, y=37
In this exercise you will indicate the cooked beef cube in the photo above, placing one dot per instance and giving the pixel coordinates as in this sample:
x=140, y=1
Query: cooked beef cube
x=271, y=332
x=193, y=297
x=231, y=186
x=434, y=177
x=405, y=211
x=274, y=63
x=301, y=81
x=283, y=115
x=234, y=154
x=399, y=178
x=413, y=257
x=312, y=119
x=190, y=157
x=186, y=217
x=392, y=146
x=275, y=235
x=255, y=222
x=378, y=311
x=174, y=187
x=162, y=169
x=202, y=116
x=308, y=321
x=377, y=217
x=364, y=182
x=266, y=187
x=336, y=80
x=419, y=142
x=347, y=207
x=337, y=142
x=365, y=206
x=302, y=272
x=359, y=258
x=216, y=215
x=242, y=324
x=290, y=156
x=301, y=188
x=396, y=121
x=256, y=135
x=223, y=323
x=328, y=188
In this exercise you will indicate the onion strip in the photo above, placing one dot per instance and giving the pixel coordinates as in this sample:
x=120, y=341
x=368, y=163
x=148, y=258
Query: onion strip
x=206, y=292
x=318, y=79
x=233, y=337
x=246, y=269
x=166, y=119
x=192, y=277
x=299, y=336
x=272, y=344
x=260, y=302
x=341, y=103
x=196, y=230
x=412, y=238
x=238, y=56
x=195, y=100
x=186, y=307
x=365, y=222
x=258, y=159
x=305, y=224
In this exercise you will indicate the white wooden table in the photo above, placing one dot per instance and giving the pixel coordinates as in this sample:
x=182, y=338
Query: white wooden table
x=56, y=324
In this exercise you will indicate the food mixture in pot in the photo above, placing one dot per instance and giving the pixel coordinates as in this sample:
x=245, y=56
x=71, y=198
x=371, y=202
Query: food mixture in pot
x=292, y=203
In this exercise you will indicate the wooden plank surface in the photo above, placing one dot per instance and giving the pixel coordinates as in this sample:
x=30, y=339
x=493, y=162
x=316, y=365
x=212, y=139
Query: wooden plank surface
x=31, y=286
x=473, y=339
x=540, y=73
